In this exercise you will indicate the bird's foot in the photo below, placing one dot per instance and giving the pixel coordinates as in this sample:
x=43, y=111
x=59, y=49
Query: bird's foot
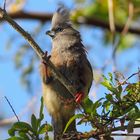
x=79, y=96
x=45, y=58
x=46, y=77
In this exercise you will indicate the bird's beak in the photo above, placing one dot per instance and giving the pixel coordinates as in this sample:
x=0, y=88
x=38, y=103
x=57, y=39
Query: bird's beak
x=50, y=33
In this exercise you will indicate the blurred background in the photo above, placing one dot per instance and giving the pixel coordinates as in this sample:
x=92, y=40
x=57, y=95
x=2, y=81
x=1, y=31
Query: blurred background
x=110, y=30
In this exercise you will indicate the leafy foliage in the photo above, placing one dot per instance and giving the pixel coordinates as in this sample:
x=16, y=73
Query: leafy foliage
x=118, y=110
x=23, y=130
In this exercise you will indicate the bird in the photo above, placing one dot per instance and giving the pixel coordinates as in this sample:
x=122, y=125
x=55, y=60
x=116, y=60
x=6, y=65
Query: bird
x=69, y=56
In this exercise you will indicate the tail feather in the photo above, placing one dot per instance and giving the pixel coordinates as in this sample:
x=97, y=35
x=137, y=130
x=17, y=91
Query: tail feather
x=59, y=124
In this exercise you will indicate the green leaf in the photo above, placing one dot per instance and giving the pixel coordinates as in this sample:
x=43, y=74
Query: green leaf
x=96, y=105
x=41, y=108
x=11, y=131
x=24, y=135
x=87, y=105
x=46, y=137
x=108, y=85
x=42, y=129
x=109, y=97
x=77, y=116
x=22, y=126
x=128, y=109
x=104, y=78
x=118, y=94
x=49, y=128
x=19, y=126
x=130, y=127
x=40, y=119
x=110, y=77
x=134, y=113
x=34, y=122
x=106, y=105
x=41, y=115
x=45, y=128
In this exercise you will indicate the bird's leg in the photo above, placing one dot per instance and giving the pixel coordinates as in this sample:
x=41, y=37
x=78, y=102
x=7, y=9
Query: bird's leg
x=45, y=57
x=79, y=96
x=44, y=68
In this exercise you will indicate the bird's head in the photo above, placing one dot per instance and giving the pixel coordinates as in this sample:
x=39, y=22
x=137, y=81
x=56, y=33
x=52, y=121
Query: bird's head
x=60, y=21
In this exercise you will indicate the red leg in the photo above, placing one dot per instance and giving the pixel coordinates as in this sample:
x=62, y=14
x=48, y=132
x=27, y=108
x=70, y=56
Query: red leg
x=79, y=96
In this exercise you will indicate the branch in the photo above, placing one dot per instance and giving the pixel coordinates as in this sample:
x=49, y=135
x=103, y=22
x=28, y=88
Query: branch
x=95, y=134
x=31, y=15
x=122, y=83
x=111, y=16
x=39, y=52
x=133, y=135
x=94, y=21
x=129, y=20
x=12, y=108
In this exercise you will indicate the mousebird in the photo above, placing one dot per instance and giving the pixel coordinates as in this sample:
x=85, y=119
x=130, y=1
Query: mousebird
x=68, y=54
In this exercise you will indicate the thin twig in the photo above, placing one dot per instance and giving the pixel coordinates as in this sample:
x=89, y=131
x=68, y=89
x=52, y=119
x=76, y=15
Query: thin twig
x=121, y=134
x=130, y=16
x=139, y=74
x=4, y=5
x=115, y=47
x=12, y=108
x=118, y=39
x=132, y=76
x=125, y=29
x=113, y=31
x=122, y=83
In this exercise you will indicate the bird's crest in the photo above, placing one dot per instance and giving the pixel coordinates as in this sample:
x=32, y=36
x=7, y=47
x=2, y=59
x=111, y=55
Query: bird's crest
x=61, y=16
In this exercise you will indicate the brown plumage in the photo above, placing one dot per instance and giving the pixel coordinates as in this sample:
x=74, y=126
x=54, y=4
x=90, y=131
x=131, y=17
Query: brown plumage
x=69, y=56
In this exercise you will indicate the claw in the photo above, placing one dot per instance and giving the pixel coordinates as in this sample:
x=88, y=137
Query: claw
x=46, y=57
x=46, y=78
x=79, y=96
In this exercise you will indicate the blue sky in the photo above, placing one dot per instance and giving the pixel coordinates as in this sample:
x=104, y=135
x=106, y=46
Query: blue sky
x=10, y=85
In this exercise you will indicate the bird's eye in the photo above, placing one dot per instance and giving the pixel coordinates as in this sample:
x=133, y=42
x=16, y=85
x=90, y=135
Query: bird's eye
x=58, y=29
